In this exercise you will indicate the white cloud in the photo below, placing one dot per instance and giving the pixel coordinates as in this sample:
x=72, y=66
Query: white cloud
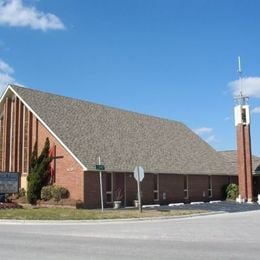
x=5, y=68
x=203, y=130
x=206, y=133
x=15, y=13
x=211, y=139
x=227, y=118
x=256, y=110
x=250, y=86
x=5, y=75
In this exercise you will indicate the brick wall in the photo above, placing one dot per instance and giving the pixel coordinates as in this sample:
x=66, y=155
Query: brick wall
x=170, y=184
x=131, y=188
x=92, y=189
x=198, y=188
x=173, y=187
x=218, y=184
x=69, y=172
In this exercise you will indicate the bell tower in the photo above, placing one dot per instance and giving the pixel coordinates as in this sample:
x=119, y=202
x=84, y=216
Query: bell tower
x=244, y=156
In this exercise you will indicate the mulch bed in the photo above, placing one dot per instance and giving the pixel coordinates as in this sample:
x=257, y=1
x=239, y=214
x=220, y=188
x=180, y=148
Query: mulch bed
x=10, y=205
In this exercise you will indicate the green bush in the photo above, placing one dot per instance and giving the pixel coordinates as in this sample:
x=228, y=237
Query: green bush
x=64, y=193
x=33, y=189
x=232, y=191
x=39, y=172
x=59, y=193
x=55, y=192
x=46, y=192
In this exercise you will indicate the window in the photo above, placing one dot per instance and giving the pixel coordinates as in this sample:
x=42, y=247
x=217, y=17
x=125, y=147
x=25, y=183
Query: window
x=243, y=114
x=156, y=187
x=109, y=187
x=210, y=186
x=186, y=187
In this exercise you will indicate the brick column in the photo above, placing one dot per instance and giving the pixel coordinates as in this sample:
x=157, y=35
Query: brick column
x=244, y=162
x=248, y=159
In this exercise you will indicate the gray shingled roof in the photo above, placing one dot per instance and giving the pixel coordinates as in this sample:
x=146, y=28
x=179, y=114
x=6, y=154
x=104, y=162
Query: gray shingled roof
x=123, y=139
x=231, y=157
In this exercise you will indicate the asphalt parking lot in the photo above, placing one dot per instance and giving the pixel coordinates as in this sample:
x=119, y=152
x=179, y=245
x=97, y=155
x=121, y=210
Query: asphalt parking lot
x=218, y=206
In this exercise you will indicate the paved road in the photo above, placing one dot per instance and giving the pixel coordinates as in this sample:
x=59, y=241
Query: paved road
x=220, y=236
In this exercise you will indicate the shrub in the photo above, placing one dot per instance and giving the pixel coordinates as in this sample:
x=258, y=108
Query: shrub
x=55, y=192
x=232, y=191
x=59, y=193
x=39, y=172
x=22, y=192
x=64, y=193
x=79, y=204
x=46, y=192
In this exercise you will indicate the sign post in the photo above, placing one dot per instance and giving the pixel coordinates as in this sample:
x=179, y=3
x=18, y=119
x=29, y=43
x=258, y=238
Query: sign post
x=101, y=168
x=139, y=175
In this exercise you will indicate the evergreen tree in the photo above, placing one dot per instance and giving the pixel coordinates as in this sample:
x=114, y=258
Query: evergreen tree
x=39, y=172
x=33, y=159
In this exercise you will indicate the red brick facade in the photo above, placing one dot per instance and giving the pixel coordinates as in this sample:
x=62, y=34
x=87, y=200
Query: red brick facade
x=171, y=188
x=20, y=130
x=244, y=162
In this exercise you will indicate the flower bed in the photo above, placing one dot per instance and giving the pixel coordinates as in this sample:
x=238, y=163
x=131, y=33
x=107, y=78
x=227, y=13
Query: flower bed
x=10, y=205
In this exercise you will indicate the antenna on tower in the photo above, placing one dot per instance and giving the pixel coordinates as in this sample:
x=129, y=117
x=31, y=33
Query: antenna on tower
x=240, y=75
x=240, y=99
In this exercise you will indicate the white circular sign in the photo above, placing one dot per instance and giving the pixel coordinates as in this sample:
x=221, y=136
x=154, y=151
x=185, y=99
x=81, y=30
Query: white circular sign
x=139, y=170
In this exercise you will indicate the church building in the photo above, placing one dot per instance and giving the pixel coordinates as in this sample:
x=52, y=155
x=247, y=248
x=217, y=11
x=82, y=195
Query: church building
x=179, y=166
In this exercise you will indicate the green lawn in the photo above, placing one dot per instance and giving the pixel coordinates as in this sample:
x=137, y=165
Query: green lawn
x=83, y=214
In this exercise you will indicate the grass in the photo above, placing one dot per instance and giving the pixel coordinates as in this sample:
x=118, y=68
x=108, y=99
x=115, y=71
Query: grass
x=83, y=214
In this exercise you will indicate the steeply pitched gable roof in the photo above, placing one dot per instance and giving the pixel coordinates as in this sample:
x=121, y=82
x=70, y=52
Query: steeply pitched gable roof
x=123, y=139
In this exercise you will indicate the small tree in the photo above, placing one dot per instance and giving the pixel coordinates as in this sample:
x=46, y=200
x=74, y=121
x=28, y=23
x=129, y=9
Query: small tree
x=39, y=172
x=33, y=159
x=232, y=191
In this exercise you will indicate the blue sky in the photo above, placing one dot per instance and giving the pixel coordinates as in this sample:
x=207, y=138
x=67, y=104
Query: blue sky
x=175, y=59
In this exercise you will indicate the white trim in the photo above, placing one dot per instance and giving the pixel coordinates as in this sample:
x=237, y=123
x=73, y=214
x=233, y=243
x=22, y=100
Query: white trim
x=3, y=95
x=11, y=137
x=23, y=137
x=1, y=137
x=238, y=110
x=46, y=126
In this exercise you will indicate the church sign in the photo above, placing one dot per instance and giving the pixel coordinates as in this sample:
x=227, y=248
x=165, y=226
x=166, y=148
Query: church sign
x=8, y=182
